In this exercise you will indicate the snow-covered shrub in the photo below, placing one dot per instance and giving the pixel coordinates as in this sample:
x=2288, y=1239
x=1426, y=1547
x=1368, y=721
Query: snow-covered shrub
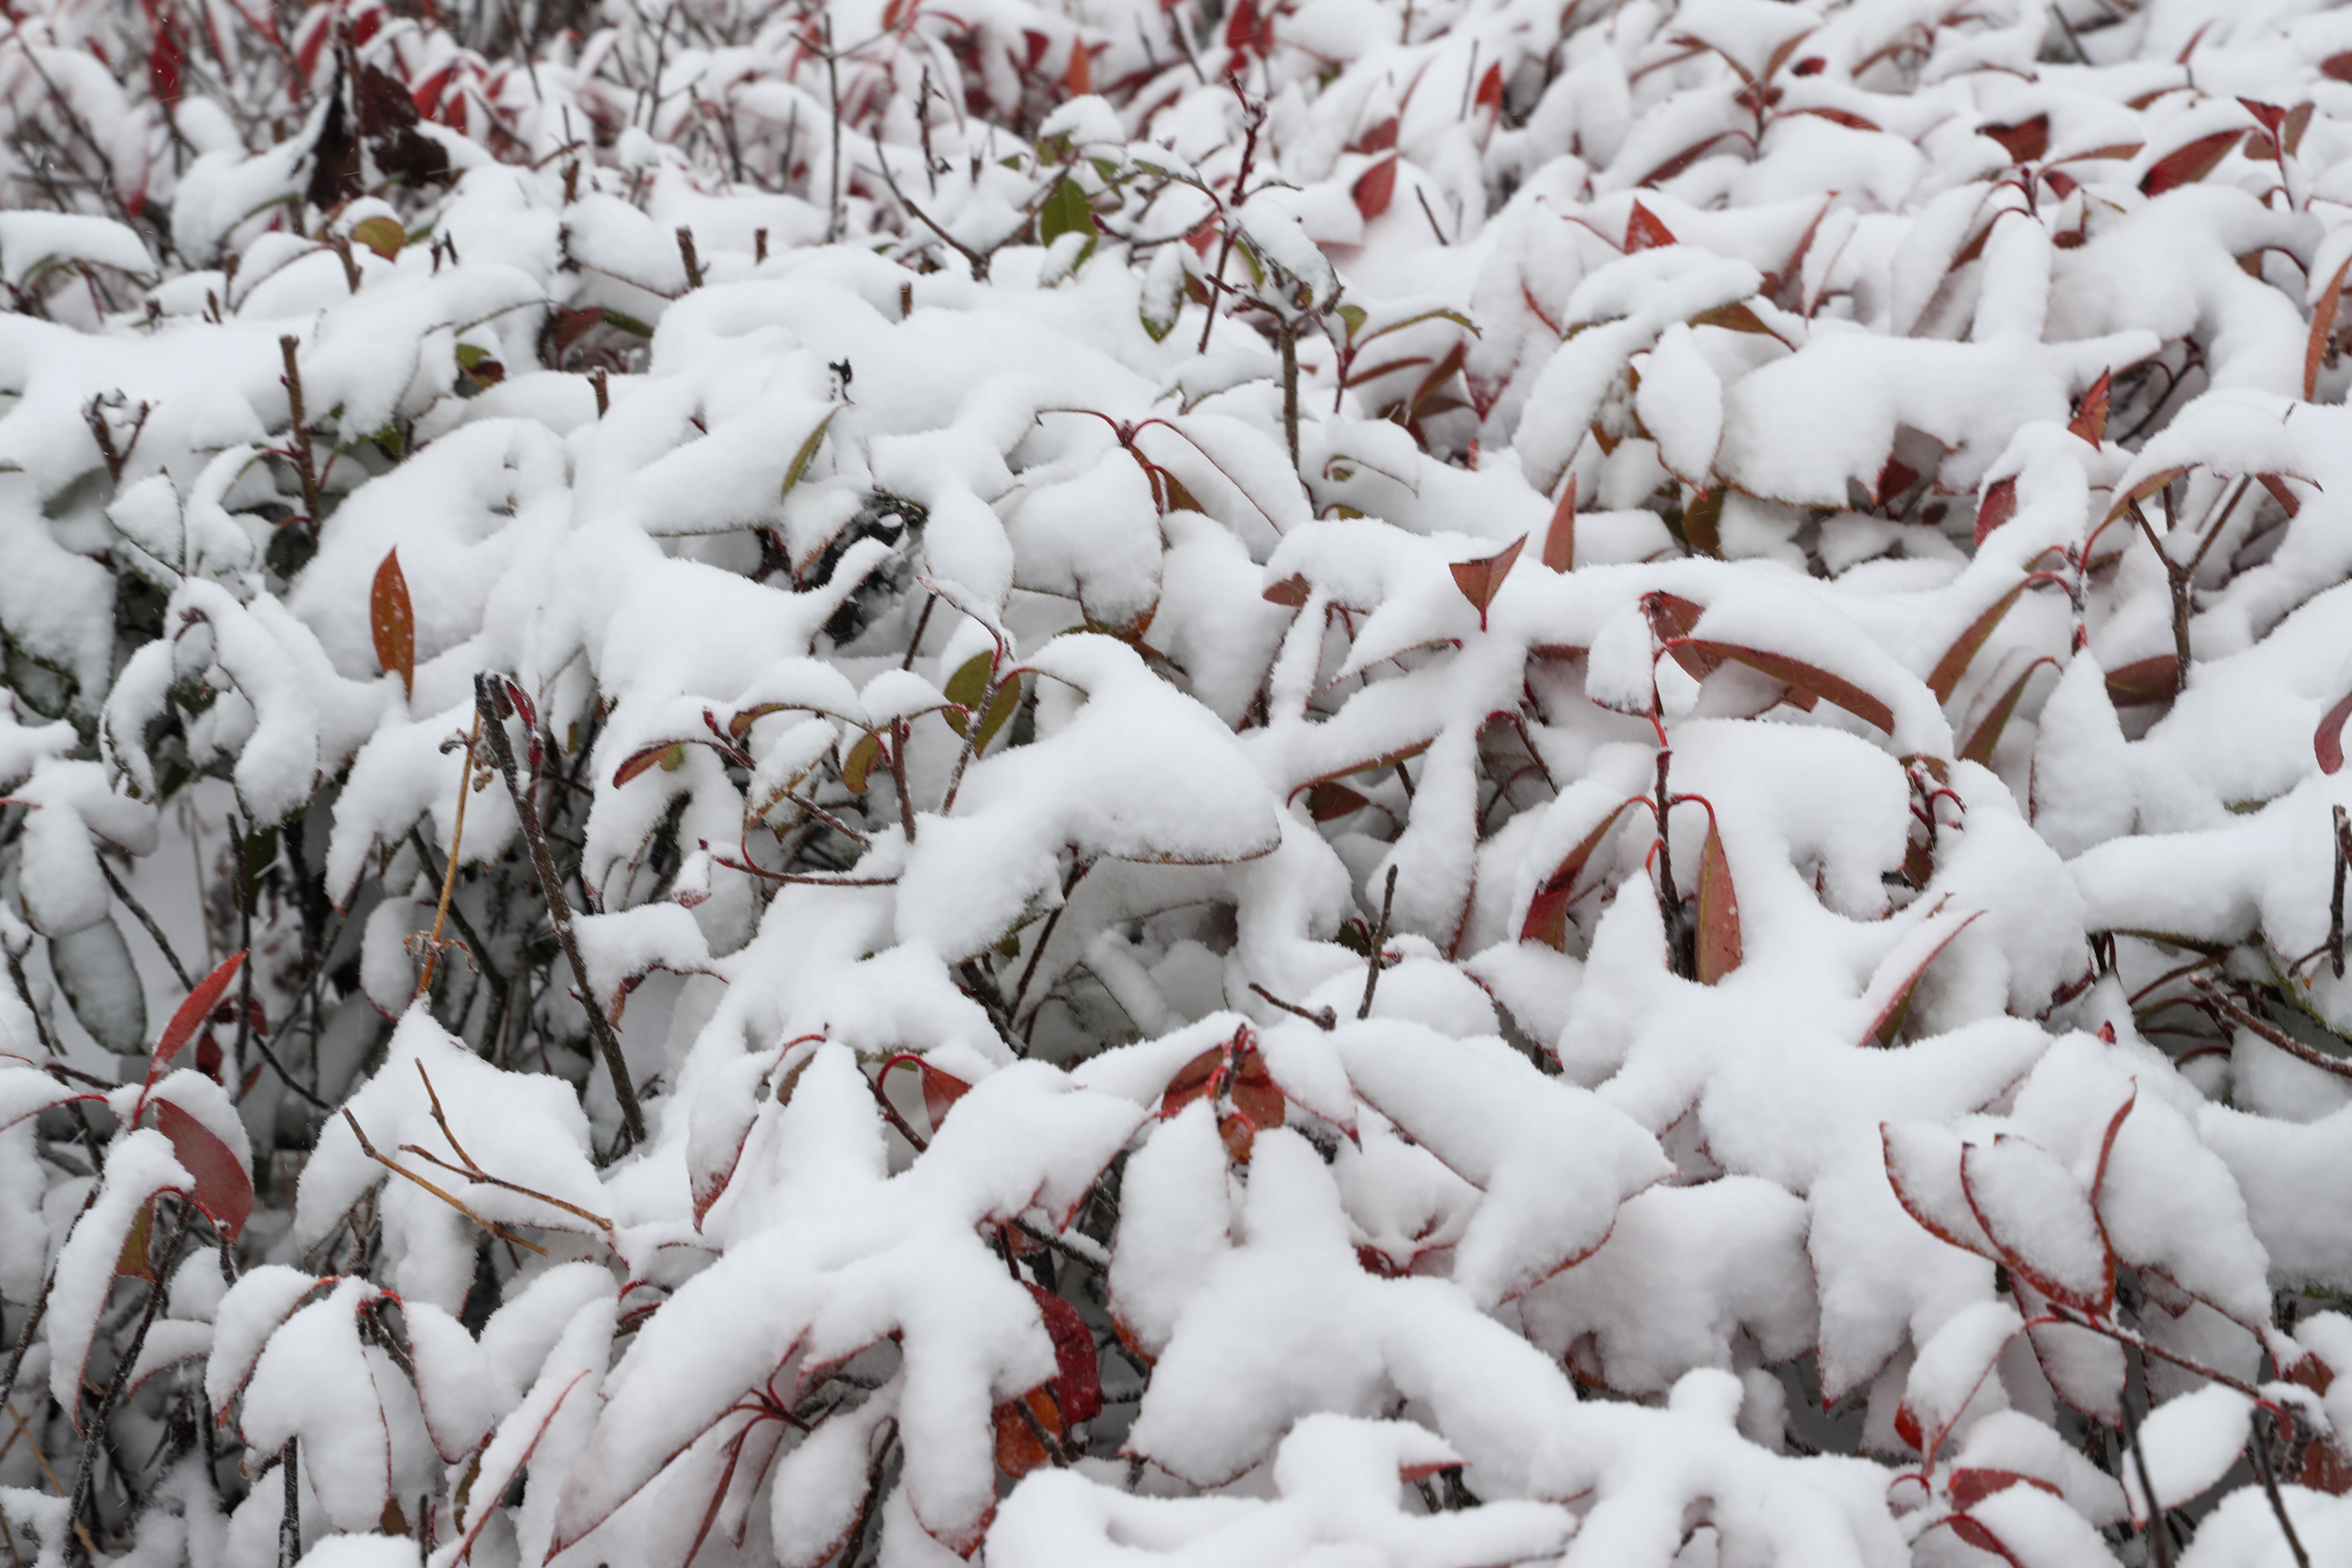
x=1203, y=782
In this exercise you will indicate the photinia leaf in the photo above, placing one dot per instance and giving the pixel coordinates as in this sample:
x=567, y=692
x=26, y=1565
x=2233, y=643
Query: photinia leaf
x=1001, y=706
x=2090, y=421
x=1490, y=90
x=1884, y=1028
x=1644, y=232
x=381, y=234
x=1703, y=521
x=1065, y=211
x=2107, y=1142
x=941, y=1090
x=2276, y=485
x=1481, y=579
x=1986, y=734
x=1195, y=1078
x=1020, y=1447
x=1808, y=678
x=2187, y=164
x=1971, y=1484
x=224, y=1189
x=2146, y=680
x=2328, y=742
x=189, y=1017
x=1923, y=1167
x=1946, y=676
x=1559, y=539
x=1546, y=920
x=1078, y=1380
x=2042, y=1221
x=133, y=1262
x=2145, y=489
x=1375, y=188
x=1672, y=617
x=392, y=621
x=1328, y=802
x=1291, y=591
x=2024, y=142
x=807, y=453
x=2000, y=504
x=1718, y=912
x=668, y=755
x=2323, y=328
x=1254, y=1093
x=860, y=762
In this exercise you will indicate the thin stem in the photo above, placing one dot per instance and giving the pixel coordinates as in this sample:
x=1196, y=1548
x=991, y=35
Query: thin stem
x=457, y=837
x=1379, y=941
x=157, y=1288
x=305, y=470
x=179, y=972
x=2272, y=1033
x=487, y=699
x=2262, y=1450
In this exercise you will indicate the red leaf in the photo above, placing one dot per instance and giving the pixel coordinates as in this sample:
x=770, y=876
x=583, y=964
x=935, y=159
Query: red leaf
x=1946, y=676
x=392, y=621
x=1328, y=802
x=2328, y=742
x=1381, y=138
x=2147, y=680
x=2271, y=115
x=1671, y=617
x=2024, y=142
x=2323, y=324
x=1889, y=1022
x=1375, y=187
x=1988, y=732
x=941, y=1090
x=2020, y=1192
x=1490, y=90
x=2000, y=504
x=1077, y=1383
x=1718, y=912
x=1984, y=1540
x=1546, y=920
x=2090, y=421
x=1644, y=232
x=1971, y=1484
x=1019, y=1447
x=670, y=754
x=1255, y=1094
x=190, y=1017
x=1195, y=1078
x=1291, y=591
x=2187, y=164
x=224, y=1189
x=1481, y=579
x=1559, y=540
x=2276, y=485
x=1852, y=122
x=1808, y=678
x=2338, y=68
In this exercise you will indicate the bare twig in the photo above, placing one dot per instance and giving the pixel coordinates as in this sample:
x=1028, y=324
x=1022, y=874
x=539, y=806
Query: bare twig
x=1379, y=941
x=473, y=1169
x=389, y=1164
x=456, y=839
x=2262, y=1450
x=2271, y=1031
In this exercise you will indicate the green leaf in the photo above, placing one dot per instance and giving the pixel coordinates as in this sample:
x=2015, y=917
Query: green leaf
x=1065, y=212
x=860, y=763
x=969, y=684
x=1001, y=708
x=1353, y=315
x=807, y=453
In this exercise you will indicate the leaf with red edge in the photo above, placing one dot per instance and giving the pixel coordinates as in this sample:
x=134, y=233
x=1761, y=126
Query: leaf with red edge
x=2042, y=1221
x=1328, y=802
x=1946, y=676
x=1022, y=1426
x=1375, y=188
x=1971, y=1484
x=190, y=1017
x=224, y=1189
x=1811, y=679
x=1195, y=1078
x=2327, y=743
x=392, y=623
x=941, y=1090
x=2000, y=504
x=2024, y=142
x=2146, y=488
x=1974, y=1532
x=1559, y=539
x=1643, y=231
x=2186, y=166
x=1546, y=920
x=1923, y=1167
x=1671, y=617
x=2276, y=485
x=2108, y=1142
x=1078, y=1380
x=1718, y=912
x=1884, y=1028
x=134, y=1262
x=2147, y=680
x=2090, y=421
x=1988, y=732
x=1481, y=579
x=1254, y=1093
x=2323, y=326
x=668, y=755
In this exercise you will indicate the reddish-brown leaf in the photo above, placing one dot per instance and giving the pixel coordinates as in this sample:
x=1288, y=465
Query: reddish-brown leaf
x=1255, y=1094
x=2298, y=121
x=2147, y=680
x=1718, y=912
x=1481, y=579
x=1811, y=680
x=1884, y=1028
x=2327, y=743
x=668, y=755
x=860, y=763
x=1736, y=317
x=2024, y=142
x=2000, y=504
x=941, y=1090
x=1946, y=676
x=1078, y=1382
x=2147, y=487
x=1846, y=117
x=1546, y=920
x=1971, y=1484
x=1376, y=187
x=1381, y=138
x=2323, y=326
x=132, y=1262
x=1986, y=734
x=1643, y=231
x=2187, y=164
x=1975, y=1533
x=1328, y=802
x=392, y=621
x=224, y=1189
x=190, y=1016
x=2276, y=485
x=1671, y=617
x=1019, y=1447
x=2336, y=68
x=2090, y=421
x=2108, y=1142
x=1195, y=1078
x=1291, y=591
x=1559, y=539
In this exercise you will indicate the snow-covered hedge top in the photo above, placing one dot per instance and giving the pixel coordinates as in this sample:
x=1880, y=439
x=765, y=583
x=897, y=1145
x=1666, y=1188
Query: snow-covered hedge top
x=1205, y=783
